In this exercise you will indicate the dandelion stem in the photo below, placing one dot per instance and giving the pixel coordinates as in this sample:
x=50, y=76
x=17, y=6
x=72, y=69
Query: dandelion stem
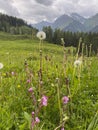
x=40, y=71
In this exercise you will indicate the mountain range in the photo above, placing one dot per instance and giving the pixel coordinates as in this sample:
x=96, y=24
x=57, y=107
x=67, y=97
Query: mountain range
x=73, y=23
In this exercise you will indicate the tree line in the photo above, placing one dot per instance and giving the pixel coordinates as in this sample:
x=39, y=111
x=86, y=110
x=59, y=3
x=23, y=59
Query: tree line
x=72, y=39
x=15, y=25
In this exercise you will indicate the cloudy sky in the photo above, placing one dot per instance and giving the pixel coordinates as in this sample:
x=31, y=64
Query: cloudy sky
x=37, y=10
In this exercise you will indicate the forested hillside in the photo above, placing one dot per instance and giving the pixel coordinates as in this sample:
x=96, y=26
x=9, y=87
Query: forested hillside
x=89, y=39
x=14, y=25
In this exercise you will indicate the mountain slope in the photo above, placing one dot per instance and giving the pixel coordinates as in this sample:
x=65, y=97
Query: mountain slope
x=95, y=29
x=75, y=26
x=62, y=22
x=40, y=25
x=92, y=22
x=78, y=18
x=73, y=22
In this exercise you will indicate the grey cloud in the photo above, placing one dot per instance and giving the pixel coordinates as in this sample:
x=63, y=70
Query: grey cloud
x=8, y=8
x=37, y=10
x=45, y=2
x=32, y=11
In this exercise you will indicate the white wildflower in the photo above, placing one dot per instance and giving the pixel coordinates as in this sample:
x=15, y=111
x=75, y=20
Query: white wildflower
x=1, y=65
x=78, y=63
x=41, y=35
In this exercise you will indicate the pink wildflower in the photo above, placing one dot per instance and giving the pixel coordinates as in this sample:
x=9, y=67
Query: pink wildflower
x=65, y=100
x=62, y=128
x=37, y=120
x=33, y=113
x=13, y=73
x=30, y=89
x=44, y=100
x=28, y=81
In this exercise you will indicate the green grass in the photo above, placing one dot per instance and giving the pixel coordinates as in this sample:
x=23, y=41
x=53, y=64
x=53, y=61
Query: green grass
x=15, y=102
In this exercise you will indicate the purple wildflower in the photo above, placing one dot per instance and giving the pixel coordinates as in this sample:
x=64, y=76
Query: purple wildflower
x=65, y=100
x=44, y=100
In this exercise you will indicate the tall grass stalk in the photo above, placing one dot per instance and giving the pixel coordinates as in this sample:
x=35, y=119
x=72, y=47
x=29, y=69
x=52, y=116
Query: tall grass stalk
x=80, y=41
x=40, y=70
x=89, y=65
x=64, y=56
x=77, y=56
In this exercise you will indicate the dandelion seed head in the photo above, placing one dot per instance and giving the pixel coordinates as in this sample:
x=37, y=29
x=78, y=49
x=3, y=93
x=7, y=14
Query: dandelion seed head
x=77, y=63
x=41, y=35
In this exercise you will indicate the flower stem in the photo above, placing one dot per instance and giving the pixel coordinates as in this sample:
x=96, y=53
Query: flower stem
x=59, y=103
x=40, y=70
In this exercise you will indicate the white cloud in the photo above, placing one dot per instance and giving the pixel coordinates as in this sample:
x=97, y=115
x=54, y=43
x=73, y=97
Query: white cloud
x=38, y=10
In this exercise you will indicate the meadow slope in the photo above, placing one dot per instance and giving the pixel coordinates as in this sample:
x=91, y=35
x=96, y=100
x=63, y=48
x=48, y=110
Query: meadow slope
x=50, y=72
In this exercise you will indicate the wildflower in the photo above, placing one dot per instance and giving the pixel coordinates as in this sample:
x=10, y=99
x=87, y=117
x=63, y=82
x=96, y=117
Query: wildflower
x=28, y=81
x=62, y=128
x=12, y=73
x=1, y=65
x=41, y=35
x=18, y=86
x=37, y=120
x=44, y=100
x=30, y=89
x=77, y=63
x=65, y=100
x=33, y=113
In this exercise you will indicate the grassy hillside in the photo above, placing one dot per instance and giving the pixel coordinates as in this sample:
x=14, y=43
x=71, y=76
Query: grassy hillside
x=56, y=78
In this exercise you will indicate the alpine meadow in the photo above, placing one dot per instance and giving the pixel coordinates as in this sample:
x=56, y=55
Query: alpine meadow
x=48, y=77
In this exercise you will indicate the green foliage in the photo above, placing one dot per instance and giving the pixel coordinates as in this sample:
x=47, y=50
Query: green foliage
x=28, y=118
x=94, y=123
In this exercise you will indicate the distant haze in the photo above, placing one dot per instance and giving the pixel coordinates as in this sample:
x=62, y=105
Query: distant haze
x=34, y=11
